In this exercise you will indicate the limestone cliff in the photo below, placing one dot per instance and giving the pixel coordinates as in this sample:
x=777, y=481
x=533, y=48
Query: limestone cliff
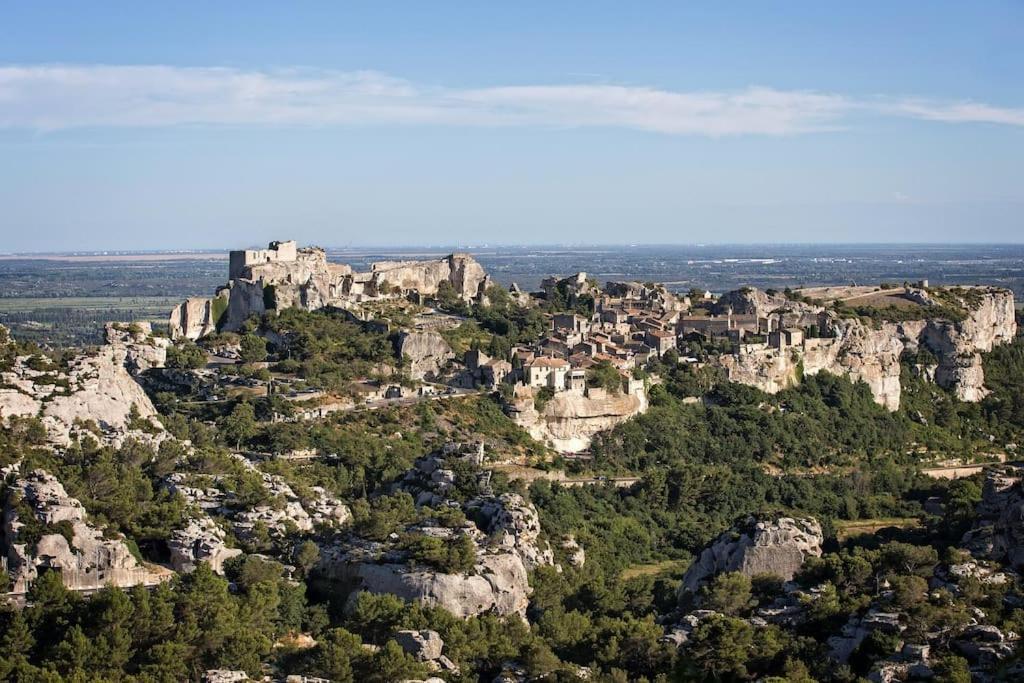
x=426, y=352
x=45, y=529
x=775, y=546
x=498, y=582
x=196, y=317
x=504, y=532
x=284, y=276
x=871, y=352
x=94, y=386
x=998, y=532
x=570, y=419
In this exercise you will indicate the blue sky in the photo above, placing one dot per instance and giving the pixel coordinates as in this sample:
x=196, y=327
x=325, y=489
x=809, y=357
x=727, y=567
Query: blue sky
x=137, y=126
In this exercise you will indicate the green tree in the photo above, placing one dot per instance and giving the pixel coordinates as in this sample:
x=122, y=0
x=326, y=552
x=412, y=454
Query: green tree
x=240, y=424
x=719, y=648
x=185, y=355
x=253, y=348
x=728, y=593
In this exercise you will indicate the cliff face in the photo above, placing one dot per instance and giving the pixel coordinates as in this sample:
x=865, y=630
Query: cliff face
x=78, y=550
x=497, y=584
x=192, y=319
x=427, y=353
x=570, y=420
x=97, y=387
x=998, y=533
x=777, y=546
x=863, y=352
x=304, y=279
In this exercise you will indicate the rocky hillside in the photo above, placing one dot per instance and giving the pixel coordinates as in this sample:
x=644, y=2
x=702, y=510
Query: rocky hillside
x=93, y=388
x=45, y=529
x=871, y=351
x=497, y=539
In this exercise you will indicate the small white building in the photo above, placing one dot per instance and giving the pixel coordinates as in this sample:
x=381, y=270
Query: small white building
x=546, y=372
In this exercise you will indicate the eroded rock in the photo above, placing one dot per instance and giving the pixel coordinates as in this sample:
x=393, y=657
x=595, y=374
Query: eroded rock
x=62, y=540
x=776, y=546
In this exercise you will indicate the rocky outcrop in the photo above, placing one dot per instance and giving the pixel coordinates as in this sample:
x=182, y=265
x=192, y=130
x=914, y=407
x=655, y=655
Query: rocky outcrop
x=653, y=295
x=142, y=351
x=466, y=277
x=577, y=556
x=196, y=317
x=45, y=529
x=426, y=353
x=862, y=351
x=201, y=540
x=776, y=546
x=426, y=646
x=569, y=421
x=285, y=276
x=998, y=532
x=423, y=645
x=497, y=583
x=751, y=301
x=96, y=387
x=512, y=524
x=570, y=288
x=504, y=532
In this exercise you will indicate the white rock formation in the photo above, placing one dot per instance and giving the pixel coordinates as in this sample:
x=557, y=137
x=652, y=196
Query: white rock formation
x=998, y=532
x=201, y=540
x=861, y=351
x=513, y=524
x=424, y=645
x=92, y=386
x=506, y=536
x=426, y=352
x=87, y=562
x=569, y=420
x=776, y=546
x=497, y=583
x=196, y=317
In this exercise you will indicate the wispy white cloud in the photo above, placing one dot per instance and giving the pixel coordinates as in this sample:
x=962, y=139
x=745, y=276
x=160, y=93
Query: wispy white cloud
x=959, y=112
x=51, y=97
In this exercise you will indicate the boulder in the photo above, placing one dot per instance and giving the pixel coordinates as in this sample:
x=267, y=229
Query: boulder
x=576, y=555
x=424, y=645
x=201, y=540
x=775, y=546
x=426, y=352
x=225, y=676
x=498, y=582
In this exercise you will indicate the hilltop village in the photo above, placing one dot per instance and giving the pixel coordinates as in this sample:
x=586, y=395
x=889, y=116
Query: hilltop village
x=413, y=473
x=562, y=384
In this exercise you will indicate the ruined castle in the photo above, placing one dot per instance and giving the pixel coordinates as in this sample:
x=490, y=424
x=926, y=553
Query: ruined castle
x=285, y=275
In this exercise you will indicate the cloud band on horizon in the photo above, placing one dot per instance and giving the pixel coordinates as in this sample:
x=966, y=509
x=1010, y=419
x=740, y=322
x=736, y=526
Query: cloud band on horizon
x=55, y=97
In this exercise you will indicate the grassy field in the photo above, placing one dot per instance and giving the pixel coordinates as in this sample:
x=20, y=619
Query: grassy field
x=847, y=528
x=653, y=569
x=88, y=303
